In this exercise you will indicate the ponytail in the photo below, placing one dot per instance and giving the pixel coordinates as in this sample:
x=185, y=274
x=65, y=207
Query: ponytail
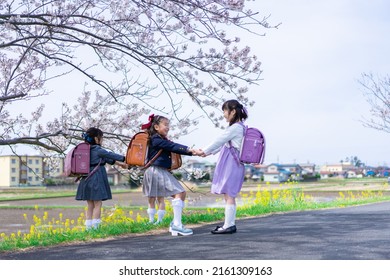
x=241, y=112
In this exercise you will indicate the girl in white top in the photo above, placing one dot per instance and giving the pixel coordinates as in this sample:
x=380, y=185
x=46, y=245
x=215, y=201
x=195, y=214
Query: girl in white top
x=229, y=171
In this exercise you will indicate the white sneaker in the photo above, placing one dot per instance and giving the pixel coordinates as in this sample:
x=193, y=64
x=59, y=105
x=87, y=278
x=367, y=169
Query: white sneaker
x=170, y=227
x=180, y=230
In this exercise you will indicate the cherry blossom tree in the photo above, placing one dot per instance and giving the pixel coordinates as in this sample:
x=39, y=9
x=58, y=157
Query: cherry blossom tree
x=377, y=93
x=132, y=54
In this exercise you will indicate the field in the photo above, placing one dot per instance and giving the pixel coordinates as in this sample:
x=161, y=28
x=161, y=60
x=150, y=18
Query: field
x=28, y=214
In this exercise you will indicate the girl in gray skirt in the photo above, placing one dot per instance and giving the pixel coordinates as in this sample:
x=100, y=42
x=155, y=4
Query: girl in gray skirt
x=95, y=188
x=158, y=181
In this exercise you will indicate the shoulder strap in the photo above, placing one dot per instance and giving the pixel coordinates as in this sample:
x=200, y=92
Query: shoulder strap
x=90, y=173
x=233, y=153
x=149, y=163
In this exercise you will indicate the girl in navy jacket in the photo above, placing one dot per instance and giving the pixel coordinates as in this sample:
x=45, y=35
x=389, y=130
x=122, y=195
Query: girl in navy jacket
x=158, y=181
x=95, y=188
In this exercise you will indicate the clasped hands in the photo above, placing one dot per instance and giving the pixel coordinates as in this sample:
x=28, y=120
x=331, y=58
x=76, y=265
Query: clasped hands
x=198, y=152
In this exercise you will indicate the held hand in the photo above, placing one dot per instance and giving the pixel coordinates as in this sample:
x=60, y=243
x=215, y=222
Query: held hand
x=194, y=152
x=198, y=152
x=122, y=164
x=202, y=153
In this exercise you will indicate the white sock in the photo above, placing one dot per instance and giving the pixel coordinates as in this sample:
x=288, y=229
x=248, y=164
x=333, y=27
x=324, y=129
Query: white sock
x=230, y=215
x=151, y=212
x=95, y=223
x=160, y=215
x=88, y=224
x=177, y=205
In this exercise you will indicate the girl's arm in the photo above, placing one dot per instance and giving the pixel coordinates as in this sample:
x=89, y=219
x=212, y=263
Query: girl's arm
x=167, y=145
x=228, y=134
x=110, y=157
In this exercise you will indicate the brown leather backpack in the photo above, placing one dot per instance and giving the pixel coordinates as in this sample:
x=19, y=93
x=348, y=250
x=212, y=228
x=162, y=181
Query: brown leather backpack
x=137, y=152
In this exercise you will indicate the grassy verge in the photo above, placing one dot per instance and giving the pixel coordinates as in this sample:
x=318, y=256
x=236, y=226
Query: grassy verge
x=45, y=231
x=42, y=193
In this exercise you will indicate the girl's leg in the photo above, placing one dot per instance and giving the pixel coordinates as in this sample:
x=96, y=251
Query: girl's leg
x=151, y=208
x=161, y=209
x=178, y=205
x=97, y=211
x=88, y=214
x=230, y=211
x=176, y=226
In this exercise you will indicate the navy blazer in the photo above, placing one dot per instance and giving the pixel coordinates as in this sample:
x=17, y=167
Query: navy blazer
x=164, y=160
x=98, y=153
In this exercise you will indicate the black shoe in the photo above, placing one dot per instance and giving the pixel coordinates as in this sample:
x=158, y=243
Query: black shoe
x=230, y=230
x=216, y=229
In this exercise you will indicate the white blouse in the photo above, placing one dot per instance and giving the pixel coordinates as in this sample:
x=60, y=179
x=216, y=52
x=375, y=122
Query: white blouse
x=233, y=133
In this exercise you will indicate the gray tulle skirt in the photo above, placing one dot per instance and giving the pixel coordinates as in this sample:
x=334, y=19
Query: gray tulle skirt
x=158, y=181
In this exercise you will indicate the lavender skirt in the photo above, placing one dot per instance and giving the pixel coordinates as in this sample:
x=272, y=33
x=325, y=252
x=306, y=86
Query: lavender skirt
x=229, y=174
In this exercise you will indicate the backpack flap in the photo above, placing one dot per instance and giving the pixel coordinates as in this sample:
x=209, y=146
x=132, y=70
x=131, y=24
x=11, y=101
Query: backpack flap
x=253, y=146
x=137, y=151
x=77, y=161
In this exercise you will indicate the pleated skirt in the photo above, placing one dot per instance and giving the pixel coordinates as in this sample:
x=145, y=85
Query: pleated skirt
x=158, y=181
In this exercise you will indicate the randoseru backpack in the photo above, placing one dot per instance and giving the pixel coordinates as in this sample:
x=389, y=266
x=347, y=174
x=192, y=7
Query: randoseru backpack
x=77, y=162
x=137, y=152
x=252, y=147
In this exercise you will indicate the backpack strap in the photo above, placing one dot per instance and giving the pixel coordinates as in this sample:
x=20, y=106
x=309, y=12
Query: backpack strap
x=231, y=146
x=90, y=173
x=233, y=153
x=149, y=163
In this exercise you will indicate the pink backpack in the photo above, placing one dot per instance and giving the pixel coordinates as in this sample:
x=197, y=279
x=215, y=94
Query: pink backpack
x=253, y=146
x=77, y=161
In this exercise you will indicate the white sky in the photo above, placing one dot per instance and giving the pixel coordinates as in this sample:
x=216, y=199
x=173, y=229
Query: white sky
x=309, y=105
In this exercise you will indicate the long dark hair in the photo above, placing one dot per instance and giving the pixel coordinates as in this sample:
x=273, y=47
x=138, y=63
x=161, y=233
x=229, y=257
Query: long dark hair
x=91, y=133
x=241, y=113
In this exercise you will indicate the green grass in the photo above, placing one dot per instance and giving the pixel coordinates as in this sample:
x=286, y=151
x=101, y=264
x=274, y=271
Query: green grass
x=40, y=193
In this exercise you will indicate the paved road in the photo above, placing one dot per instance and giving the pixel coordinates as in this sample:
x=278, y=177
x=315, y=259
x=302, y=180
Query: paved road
x=353, y=233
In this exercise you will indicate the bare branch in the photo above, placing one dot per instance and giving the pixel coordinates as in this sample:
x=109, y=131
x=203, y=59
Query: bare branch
x=377, y=93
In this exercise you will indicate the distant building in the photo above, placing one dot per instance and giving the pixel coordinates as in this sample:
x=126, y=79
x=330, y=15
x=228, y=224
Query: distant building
x=278, y=173
x=117, y=176
x=308, y=169
x=27, y=170
x=337, y=170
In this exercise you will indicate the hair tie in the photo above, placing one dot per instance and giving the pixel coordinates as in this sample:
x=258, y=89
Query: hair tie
x=86, y=137
x=149, y=124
